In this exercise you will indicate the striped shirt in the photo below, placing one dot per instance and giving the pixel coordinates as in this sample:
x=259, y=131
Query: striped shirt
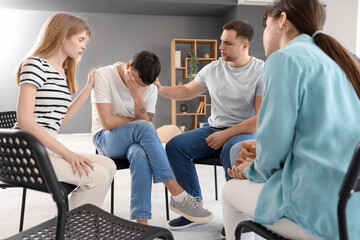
x=52, y=95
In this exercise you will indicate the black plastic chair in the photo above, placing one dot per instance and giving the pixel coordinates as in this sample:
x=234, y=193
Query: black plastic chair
x=213, y=161
x=350, y=185
x=24, y=162
x=121, y=163
x=8, y=120
x=250, y=226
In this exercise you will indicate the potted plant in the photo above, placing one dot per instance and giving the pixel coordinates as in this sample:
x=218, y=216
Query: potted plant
x=193, y=65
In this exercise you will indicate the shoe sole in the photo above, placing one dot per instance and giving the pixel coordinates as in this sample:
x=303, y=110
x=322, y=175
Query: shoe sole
x=193, y=219
x=184, y=226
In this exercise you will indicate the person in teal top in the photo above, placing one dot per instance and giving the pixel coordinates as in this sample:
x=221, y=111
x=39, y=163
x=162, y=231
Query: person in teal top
x=308, y=127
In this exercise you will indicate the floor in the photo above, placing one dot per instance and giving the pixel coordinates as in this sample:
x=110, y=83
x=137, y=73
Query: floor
x=40, y=207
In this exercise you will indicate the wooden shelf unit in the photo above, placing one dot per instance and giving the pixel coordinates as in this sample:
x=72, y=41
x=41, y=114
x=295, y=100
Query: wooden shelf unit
x=194, y=45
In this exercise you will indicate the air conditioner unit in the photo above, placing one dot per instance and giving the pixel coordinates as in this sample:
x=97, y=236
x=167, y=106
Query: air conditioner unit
x=254, y=2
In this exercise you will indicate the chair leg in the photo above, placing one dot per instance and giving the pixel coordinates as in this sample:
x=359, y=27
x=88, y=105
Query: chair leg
x=22, y=213
x=216, y=187
x=112, y=198
x=167, y=204
x=67, y=203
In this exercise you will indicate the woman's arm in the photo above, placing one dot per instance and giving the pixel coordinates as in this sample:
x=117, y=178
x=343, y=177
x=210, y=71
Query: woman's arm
x=25, y=110
x=80, y=99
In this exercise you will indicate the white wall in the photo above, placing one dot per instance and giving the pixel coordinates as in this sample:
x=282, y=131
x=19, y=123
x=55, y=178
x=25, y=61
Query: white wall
x=342, y=22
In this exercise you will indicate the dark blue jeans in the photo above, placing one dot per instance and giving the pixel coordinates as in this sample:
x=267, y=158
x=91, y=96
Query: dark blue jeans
x=192, y=145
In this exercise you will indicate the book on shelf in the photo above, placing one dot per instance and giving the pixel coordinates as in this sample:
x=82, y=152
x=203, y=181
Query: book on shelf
x=200, y=108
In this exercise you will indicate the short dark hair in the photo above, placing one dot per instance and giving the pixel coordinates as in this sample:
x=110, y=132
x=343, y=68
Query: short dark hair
x=148, y=66
x=242, y=28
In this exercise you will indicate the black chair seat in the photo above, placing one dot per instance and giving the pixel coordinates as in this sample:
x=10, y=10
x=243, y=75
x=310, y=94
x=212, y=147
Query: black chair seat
x=121, y=163
x=215, y=161
x=91, y=222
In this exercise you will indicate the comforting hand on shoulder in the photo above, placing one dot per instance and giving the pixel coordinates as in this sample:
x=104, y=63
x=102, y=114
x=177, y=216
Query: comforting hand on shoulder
x=90, y=81
x=157, y=83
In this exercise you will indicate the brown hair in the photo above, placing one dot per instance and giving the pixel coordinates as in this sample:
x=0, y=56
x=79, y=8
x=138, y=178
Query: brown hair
x=308, y=16
x=148, y=66
x=242, y=28
x=56, y=29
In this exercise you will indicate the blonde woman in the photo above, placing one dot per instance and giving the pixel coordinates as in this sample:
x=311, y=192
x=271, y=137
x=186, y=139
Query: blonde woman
x=46, y=81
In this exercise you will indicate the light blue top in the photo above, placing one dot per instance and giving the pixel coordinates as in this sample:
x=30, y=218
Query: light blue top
x=308, y=127
x=232, y=90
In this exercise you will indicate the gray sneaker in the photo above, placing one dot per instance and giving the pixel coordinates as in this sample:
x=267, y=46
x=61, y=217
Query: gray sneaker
x=191, y=210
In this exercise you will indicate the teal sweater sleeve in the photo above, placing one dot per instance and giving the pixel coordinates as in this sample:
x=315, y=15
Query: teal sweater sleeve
x=278, y=114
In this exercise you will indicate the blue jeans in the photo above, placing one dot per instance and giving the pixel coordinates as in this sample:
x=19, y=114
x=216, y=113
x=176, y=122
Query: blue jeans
x=138, y=142
x=192, y=145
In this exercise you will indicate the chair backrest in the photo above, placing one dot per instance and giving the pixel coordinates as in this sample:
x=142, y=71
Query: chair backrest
x=24, y=162
x=350, y=185
x=7, y=119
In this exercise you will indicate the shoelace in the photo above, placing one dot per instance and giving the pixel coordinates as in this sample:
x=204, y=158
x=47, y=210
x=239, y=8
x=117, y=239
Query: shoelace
x=192, y=202
x=197, y=199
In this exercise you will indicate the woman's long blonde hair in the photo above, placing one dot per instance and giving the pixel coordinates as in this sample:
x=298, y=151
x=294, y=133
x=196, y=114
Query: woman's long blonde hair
x=56, y=29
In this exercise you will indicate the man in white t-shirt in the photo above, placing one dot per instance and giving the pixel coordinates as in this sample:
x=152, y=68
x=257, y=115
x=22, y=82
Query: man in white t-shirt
x=235, y=88
x=123, y=105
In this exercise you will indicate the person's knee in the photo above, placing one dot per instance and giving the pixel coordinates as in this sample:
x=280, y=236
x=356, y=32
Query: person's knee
x=146, y=125
x=174, y=144
x=101, y=175
x=172, y=148
x=234, y=151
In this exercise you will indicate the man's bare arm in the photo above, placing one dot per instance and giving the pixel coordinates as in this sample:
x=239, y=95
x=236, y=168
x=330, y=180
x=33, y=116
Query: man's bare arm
x=182, y=92
x=107, y=119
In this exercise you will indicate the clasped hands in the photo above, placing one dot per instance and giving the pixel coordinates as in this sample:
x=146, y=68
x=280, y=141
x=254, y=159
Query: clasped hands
x=244, y=159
